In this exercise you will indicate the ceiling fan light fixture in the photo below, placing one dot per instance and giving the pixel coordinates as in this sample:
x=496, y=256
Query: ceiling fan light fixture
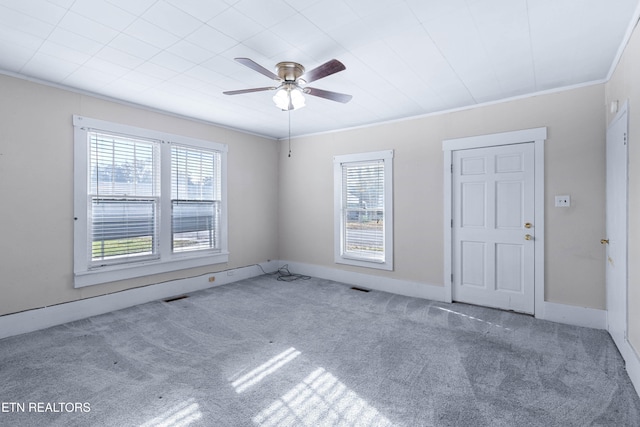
x=289, y=98
x=293, y=78
x=297, y=100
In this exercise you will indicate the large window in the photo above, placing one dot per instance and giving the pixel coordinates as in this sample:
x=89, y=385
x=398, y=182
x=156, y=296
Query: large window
x=146, y=202
x=363, y=209
x=195, y=199
x=123, y=199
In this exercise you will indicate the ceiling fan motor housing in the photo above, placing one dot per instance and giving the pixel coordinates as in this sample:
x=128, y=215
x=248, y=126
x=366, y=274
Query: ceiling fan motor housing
x=289, y=71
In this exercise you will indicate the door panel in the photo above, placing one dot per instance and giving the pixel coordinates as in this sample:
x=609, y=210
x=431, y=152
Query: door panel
x=473, y=263
x=616, y=223
x=473, y=166
x=509, y=197
x=474, y=204
x=509, y=163
x=493, y=199
x=509, y=267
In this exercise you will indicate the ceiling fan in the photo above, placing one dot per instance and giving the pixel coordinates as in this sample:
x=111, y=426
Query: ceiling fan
x=292, y=82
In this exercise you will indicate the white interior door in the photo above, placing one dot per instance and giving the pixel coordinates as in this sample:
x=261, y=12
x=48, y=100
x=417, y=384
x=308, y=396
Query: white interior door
x=616, y=223
x=493, y=226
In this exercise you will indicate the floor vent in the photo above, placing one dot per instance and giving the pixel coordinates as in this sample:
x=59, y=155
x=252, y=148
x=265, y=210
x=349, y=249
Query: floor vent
x=176, y=298
x=360, y=289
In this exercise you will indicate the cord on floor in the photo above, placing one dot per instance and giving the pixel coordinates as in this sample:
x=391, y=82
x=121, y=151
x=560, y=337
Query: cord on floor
x=284, y=275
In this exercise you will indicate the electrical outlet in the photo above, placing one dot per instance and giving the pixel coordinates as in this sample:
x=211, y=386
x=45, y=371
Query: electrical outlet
x=563, y=201
x=212, y=278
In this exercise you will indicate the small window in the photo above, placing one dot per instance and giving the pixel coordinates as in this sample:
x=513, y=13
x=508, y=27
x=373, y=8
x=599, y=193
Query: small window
x=146, y=202
x=363, y=209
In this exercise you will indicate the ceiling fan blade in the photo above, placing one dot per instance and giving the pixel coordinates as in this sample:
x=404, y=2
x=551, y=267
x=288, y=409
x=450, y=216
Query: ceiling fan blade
x=334, y=96
x=241, y=91
x=324, y=70
x=257, y=67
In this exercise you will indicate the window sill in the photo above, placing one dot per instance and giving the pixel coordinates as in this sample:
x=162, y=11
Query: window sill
x=380, y=265
x=129, y=271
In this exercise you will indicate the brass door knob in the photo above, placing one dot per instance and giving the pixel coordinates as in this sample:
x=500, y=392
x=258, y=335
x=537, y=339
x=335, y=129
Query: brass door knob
x=528, y=237
x=528, y=225
x=604, y=241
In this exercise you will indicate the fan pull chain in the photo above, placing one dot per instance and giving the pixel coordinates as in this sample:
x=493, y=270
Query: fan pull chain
x=289, y=112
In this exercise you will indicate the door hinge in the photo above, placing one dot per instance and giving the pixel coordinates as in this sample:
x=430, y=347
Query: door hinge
x=451, y=278
x=451, y=167
x=451, y=222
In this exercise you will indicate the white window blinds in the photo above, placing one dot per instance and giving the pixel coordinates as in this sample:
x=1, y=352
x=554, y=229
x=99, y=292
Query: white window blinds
x=195, y=199
x=363, y=210
x=145, y=202
x=123, y=200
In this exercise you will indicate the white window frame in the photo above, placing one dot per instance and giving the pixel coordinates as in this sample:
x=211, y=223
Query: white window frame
x=339, y=256
x=84, y=274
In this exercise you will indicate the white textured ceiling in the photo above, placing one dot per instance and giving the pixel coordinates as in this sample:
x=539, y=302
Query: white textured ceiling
x=404, y=57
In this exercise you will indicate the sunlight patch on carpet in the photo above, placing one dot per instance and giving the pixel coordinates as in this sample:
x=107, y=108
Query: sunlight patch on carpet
x=180, y=415
x=320, y=399
x=472, y=318
x=269, y=367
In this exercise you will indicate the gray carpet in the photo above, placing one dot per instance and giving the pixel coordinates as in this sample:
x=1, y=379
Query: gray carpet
x=263, y=352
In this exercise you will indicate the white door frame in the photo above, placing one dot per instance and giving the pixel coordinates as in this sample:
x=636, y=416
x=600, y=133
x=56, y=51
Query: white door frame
x=614, y=330
x=536, y=136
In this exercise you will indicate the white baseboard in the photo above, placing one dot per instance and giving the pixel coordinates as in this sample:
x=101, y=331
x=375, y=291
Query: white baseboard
x=632, y=363
x=554, y=312
x=630, y=356
x=379, y=283
x=32, y=320
x=41, y=318
x=573, y=315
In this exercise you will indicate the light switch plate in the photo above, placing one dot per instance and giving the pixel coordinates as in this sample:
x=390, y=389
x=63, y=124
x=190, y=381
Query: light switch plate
x=563, y=201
